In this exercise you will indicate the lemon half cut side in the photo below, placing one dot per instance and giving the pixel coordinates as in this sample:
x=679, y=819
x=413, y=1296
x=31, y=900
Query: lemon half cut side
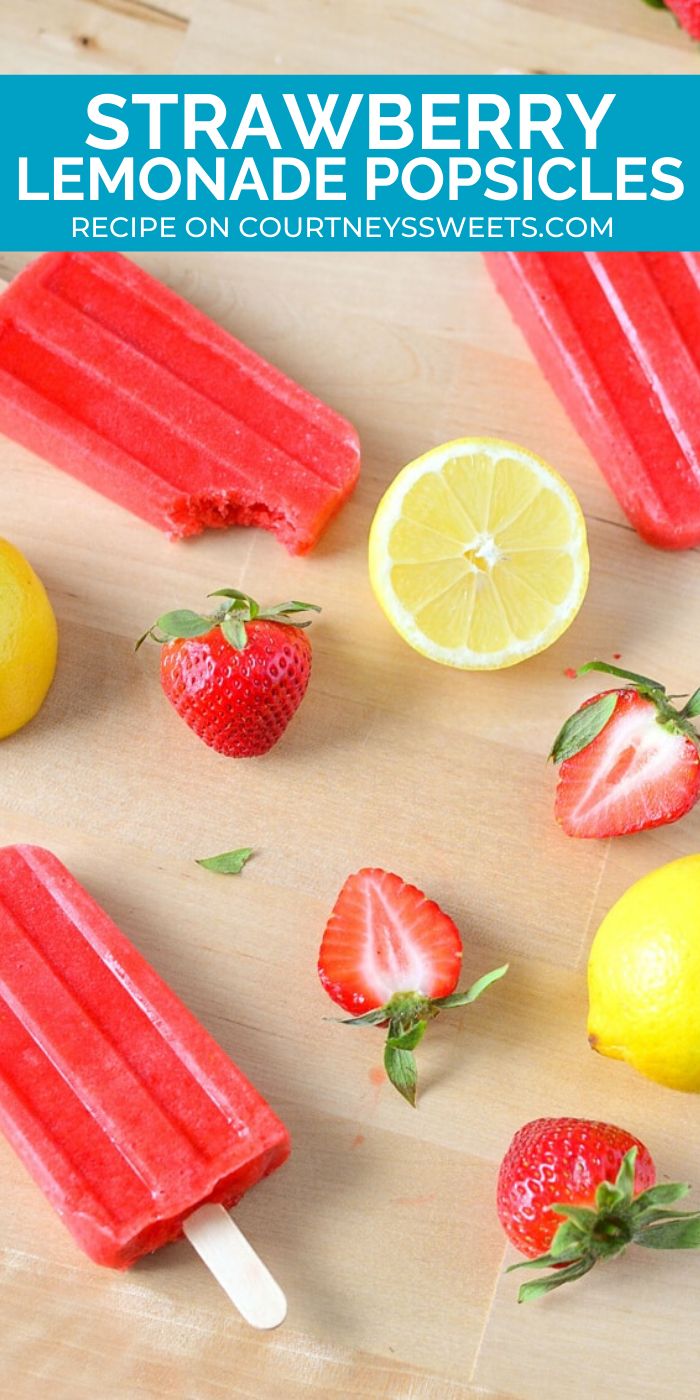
x=478, y=554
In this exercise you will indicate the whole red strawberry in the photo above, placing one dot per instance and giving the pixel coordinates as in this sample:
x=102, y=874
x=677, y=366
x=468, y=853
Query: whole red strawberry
x=238, y=676
x=395, y=957
x=572, y=1192
x=629, y=759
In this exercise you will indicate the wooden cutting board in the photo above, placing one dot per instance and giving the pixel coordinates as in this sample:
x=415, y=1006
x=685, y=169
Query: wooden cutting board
x=382, y=1226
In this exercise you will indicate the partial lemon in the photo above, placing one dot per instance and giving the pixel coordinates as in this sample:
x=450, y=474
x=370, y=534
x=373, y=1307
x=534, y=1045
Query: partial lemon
x=644, y=977
x=478, y=554
x=28, y=641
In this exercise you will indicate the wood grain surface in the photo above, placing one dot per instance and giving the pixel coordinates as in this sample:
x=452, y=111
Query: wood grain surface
x=382, y=1226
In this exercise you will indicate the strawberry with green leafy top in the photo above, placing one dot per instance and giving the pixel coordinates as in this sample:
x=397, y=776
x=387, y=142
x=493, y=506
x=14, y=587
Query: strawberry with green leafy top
x=572, y=1193
x=629, y=759
x=392, y=957
x=238, y=675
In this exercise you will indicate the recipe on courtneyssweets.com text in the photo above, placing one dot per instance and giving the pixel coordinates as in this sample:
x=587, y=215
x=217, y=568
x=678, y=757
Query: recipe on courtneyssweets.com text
x=339, y=229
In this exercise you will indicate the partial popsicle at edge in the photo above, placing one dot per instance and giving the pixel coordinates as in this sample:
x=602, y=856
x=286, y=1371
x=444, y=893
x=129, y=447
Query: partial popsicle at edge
x=618, y=337
x=123, y=1108
x=120, y=382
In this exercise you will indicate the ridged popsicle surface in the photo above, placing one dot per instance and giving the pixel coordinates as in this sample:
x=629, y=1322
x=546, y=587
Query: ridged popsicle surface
x=120, y=1104
x=618, y=337
x=123, y=384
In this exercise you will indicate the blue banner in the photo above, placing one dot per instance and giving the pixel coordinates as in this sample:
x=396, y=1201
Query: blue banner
x=225, y=162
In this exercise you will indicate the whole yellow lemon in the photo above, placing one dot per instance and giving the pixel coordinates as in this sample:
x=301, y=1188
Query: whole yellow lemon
x=28, y=641
x=644, y=977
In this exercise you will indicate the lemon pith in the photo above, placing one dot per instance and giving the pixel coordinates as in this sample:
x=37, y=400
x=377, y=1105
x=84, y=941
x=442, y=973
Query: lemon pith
x=28, y=641
x=478, y=554
x=644, y=977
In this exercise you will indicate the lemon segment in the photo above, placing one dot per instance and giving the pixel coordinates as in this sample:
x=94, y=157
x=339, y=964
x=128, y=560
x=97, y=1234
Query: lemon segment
x=644, y=977
x=28, y=641
x=478, y=554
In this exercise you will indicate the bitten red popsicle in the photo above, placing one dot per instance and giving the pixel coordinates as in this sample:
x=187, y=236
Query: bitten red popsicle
x=129, y=1116
x=113, y=377
x=618, y=337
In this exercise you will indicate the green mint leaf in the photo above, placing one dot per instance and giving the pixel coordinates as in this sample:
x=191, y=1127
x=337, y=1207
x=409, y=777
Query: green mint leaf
x=229, y=862
x=683, y=1233
x=400, y=1066
x=234, y=631
x=656, y=4
x=184, y=623
x=624, y=1180
x=410, y=1039
x=465, y=998
x=583, y=727
x=643, y=682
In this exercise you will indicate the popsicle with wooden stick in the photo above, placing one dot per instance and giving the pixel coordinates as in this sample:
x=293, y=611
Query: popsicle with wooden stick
x=132, y=1120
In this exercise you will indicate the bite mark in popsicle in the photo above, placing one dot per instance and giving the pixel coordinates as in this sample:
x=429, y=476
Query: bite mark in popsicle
x=120, y=382
x=123, y=1108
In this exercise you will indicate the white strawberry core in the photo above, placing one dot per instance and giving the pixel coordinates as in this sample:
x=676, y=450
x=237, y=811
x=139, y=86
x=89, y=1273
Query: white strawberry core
x=650, y=751
x=392, y=962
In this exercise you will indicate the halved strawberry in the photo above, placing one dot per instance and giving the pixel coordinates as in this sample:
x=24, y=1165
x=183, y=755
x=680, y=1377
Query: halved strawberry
x=629, y=759
x=393, y=956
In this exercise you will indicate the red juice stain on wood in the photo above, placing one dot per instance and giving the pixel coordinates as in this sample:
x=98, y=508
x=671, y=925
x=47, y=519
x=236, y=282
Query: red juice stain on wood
x=357, y=1140
x=376, y=1076
x=570, y=671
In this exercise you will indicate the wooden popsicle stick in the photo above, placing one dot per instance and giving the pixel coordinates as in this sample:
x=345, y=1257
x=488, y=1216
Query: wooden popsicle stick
x=235, y=1265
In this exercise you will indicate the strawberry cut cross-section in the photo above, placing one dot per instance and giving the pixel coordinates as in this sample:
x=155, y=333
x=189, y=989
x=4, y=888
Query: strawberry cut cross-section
x=392, y=957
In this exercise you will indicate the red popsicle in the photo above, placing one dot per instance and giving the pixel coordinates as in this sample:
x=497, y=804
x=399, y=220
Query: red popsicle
x=123, y=1108
x=618, y=337
x=116, y=379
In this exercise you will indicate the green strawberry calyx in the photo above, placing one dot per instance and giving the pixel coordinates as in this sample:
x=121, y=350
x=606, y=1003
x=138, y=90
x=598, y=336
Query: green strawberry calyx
x=232, y=616
x=406, y=1015
x=587, y=1235
x=586, y=724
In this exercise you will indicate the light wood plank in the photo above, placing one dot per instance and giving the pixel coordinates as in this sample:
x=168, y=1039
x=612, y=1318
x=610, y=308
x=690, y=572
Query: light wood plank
x=382, y=1227
x=93, y=36
x=359, y=36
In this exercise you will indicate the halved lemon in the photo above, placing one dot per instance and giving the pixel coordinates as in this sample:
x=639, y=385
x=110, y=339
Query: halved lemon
x=478, y=554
